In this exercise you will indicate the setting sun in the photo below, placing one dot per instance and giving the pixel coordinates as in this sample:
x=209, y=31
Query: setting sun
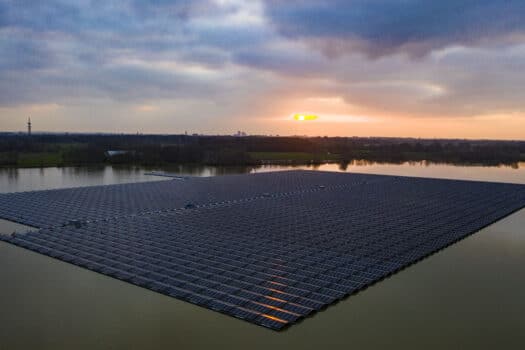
x=302, y=117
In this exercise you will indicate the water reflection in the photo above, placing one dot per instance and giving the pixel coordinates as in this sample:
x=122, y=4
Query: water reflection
x=8, y=227
x=365, y=162
x=11, y=173
x=13, y=179
x=204, y=170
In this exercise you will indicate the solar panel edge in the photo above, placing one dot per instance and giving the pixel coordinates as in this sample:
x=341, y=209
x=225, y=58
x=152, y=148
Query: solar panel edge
x=19, y=220
x=267, y=321
x=84, y=187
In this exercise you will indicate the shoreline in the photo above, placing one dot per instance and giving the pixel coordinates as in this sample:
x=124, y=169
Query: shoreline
x=282, y=162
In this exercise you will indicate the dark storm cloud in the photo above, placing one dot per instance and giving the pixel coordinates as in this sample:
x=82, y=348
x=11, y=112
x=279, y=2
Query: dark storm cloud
x=380, y=27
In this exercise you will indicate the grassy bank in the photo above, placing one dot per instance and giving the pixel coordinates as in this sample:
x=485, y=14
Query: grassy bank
x=57, y=159
x=159, y=150
x=44, y=159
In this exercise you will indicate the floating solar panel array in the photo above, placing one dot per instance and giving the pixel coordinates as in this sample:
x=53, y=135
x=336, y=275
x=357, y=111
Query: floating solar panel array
x=268, y=248
x=55, y=207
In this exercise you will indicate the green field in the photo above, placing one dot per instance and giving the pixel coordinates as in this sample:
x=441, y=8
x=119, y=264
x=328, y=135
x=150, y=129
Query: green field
x=41, y=159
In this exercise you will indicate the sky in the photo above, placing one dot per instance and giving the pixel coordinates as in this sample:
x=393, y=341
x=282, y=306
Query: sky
x=444, y=69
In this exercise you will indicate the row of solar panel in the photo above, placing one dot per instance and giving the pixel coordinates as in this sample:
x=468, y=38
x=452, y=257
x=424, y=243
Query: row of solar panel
x=53, y=207
x=99, y=201
x=278, y=258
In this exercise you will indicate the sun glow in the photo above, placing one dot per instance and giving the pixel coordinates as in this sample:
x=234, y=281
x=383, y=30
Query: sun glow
x=303, y=117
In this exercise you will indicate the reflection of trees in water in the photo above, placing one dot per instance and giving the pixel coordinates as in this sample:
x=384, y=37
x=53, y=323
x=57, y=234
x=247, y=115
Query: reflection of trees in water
x=11, y=173
x=343, y=164
x=83, y=170
x=201, y=169
x=214, y=170
x=225, y=170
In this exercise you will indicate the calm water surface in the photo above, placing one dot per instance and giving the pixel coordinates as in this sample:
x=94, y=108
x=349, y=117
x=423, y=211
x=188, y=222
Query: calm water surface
x=468, y=296
x=14, y=180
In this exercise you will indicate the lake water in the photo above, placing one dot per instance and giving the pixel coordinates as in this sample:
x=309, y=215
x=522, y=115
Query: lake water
x=15, y=180
x=467, y=296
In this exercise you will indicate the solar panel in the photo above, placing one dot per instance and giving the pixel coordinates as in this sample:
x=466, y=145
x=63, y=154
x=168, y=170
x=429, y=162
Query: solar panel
x=270, y=248
x=58, y=207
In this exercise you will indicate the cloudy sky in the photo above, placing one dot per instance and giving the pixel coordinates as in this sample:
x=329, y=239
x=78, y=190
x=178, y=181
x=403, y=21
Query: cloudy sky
x=449, y=68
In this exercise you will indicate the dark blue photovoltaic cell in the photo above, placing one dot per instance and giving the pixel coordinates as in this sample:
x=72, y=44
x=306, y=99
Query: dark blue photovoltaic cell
x=56, y=207
x=268, y=248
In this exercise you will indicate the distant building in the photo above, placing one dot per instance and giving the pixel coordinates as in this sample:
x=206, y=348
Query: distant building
x=112, y=153
x=29, y=126
x=239, y=134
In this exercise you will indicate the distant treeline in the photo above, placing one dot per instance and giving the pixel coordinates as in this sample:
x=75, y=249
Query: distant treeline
x=83, y=149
